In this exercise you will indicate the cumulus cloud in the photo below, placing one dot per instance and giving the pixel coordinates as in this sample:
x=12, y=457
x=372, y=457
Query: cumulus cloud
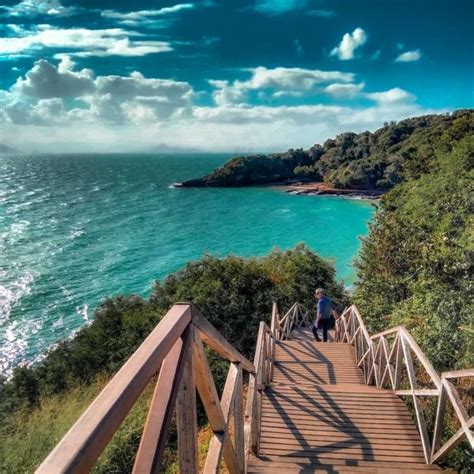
x=33, y=8
x=46, y=81
x=107, y=98
x=280, y=79
x=349, y=43
x=84, y=42
x=392, y=96
x=87, y=112
x=409, y=56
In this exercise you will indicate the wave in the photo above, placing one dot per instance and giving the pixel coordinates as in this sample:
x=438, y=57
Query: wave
x=11, y=295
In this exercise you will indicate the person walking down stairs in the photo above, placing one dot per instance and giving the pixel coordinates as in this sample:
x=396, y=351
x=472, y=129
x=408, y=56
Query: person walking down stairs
x=324, y=314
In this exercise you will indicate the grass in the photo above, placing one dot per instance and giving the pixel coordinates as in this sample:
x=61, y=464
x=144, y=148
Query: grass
x=30, y=435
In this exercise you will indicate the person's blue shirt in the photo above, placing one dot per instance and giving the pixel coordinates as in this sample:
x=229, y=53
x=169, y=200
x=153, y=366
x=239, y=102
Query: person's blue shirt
x=324, y=308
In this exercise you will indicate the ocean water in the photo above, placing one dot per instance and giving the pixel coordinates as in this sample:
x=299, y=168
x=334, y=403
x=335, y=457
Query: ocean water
x=77, y=228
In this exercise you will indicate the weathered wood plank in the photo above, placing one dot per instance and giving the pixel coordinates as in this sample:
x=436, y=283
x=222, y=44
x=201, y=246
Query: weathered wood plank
x=320, y=435
x=218, y=443
x=155, y=433
x=213, y=338
x=239, y=424
x=338, y=462
x=206, y=386
x=314, y=452
x=186, y=416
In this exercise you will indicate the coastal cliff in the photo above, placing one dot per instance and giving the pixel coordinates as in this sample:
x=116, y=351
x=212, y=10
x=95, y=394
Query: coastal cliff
x=365, y=163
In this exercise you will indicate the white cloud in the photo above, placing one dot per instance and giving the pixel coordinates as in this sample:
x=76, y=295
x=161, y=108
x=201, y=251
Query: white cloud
x=409, y=56
x=344, y=90
x=86, y=112
x=349, y=43
x=280, y=79
x=145, y=17
x=104, y=98
x=46, y=81
x=33, y=8
x=392, y=96
x=292, y=78
x=226, y=93
x=84, y=42
x=220, y=128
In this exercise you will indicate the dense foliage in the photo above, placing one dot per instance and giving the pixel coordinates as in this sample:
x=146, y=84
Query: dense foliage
x=233, y=293
x=415, y=268
x=379, y=160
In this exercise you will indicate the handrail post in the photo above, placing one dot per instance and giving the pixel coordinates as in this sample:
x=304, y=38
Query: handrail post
x=439, y=422
x=186, y=417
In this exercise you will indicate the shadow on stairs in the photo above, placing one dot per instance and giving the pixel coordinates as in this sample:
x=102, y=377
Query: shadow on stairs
x=319, y=416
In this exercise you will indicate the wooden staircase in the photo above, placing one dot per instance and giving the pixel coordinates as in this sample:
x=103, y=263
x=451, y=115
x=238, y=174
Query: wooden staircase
x=318, y=415
x=310, y=407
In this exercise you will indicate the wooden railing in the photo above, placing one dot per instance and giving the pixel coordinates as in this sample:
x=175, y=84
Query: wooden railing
x=279, y=330
x=392, y=359
x=295, y=317
x=175, y=351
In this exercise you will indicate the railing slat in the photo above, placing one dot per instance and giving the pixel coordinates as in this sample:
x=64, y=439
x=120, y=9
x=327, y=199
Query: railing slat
x=378, y=360
x=213, y=339
x=186, y=417
x=461, y=412
x=425, y=441
x=85, y=441
x=155, y=433
x=239, y=424
x=206, y=386
x=218, y=442
x=450, y=444
x=439, y=422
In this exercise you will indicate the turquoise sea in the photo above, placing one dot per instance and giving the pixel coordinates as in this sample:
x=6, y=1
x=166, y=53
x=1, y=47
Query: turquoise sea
x=77, y=228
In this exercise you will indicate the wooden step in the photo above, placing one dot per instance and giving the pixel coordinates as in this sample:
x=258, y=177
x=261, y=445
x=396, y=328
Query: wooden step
x=341, y=455
x=319, y=416
x=346, y=388
x=279, y=465
x=411, y=438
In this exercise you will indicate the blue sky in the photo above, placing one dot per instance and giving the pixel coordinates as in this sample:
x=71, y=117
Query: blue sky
x=219, y=75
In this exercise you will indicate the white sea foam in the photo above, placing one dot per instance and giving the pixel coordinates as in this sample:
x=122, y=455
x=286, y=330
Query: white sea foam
x=76, y=232
x=11, y=294
x=19, y=227
x=14, y=344
x=84, y=312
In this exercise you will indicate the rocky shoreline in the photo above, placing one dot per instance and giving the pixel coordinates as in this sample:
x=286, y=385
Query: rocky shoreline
x=321, y=189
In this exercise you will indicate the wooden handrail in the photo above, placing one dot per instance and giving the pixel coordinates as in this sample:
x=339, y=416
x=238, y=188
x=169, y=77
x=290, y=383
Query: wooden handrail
x=382, y=363
x=174, y=350
x=85, y=441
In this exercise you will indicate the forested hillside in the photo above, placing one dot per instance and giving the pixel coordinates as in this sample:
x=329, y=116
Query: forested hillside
x=415, y=267
x=379, y=160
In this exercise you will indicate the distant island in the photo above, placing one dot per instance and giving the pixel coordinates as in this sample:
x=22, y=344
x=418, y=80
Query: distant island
x=365, y=164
